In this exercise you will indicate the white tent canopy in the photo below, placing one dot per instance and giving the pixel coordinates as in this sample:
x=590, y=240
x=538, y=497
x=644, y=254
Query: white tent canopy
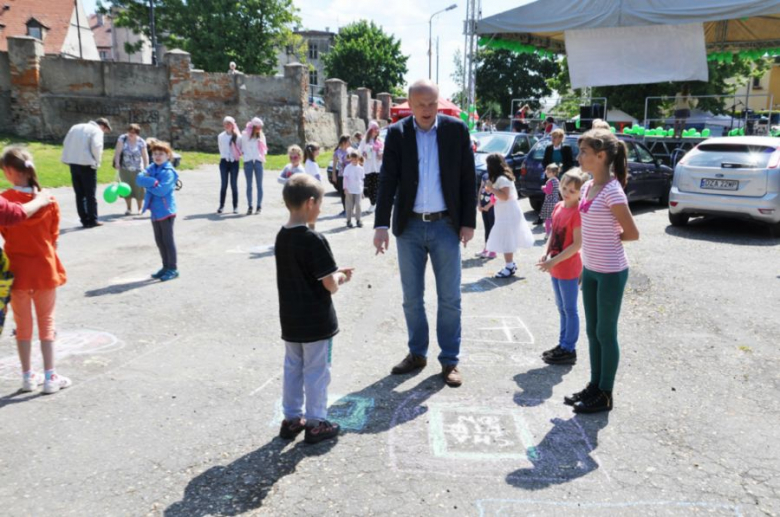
x=612, y=42
x=550, y=18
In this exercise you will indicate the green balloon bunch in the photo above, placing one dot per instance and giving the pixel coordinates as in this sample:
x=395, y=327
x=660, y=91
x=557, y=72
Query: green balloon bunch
x=111, y=193
x=744, y=55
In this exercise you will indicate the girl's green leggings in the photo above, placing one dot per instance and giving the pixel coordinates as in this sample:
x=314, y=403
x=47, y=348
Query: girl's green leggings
x=602, y=295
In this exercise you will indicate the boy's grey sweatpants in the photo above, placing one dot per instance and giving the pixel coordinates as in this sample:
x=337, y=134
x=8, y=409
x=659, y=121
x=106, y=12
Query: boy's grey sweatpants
x=163, y=236
x=353, y=205
x=306, y=370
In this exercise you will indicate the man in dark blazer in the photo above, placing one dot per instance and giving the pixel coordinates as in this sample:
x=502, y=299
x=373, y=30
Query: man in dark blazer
x=427, y=182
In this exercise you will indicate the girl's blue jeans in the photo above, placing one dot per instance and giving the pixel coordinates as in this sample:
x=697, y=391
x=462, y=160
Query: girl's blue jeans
x=566, y=301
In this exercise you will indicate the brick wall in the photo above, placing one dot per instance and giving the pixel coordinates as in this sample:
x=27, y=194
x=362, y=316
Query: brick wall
x=43, y=96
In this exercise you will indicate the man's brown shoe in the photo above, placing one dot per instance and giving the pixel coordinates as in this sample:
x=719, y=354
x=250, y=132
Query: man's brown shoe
x=451, y=375
x=410, y=363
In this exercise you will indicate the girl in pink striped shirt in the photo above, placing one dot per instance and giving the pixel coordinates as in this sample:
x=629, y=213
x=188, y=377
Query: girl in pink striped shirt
x=606, y=223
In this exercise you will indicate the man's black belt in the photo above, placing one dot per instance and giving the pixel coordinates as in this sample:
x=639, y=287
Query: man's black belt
x=430, y=217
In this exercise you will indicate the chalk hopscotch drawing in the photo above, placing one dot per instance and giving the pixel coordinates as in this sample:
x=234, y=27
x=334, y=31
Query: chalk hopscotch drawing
x=69, y=343
x=351, y=412
x=476, y=433
x=525, y=446
x=508, y=507
x=497, y=329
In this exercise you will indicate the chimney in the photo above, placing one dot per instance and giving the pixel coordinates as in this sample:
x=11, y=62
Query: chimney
x=327, y=29
x=99, y=18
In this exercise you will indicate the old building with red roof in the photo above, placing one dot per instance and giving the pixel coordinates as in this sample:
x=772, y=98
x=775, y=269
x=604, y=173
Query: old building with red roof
x=62, y=26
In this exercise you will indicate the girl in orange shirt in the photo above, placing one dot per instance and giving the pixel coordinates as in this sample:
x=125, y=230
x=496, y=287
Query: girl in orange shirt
x=32, y=251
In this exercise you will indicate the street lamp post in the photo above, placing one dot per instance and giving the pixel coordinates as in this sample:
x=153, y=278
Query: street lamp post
x=430, y=37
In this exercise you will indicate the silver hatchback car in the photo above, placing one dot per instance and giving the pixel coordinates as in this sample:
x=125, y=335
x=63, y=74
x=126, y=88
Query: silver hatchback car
x=732, y=177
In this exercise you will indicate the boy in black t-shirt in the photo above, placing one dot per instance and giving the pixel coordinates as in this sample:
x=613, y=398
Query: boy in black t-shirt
x=306, y=276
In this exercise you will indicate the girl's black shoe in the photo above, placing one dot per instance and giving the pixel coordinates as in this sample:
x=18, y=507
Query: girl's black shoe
x=570, y=400
x=596, y=403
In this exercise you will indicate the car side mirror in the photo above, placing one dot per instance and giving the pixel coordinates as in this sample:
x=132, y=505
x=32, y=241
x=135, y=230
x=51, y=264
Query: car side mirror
x=658, y=163
x=518, y=154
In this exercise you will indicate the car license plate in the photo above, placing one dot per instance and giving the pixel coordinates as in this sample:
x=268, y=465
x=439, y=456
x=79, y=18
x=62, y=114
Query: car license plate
x=715, y=184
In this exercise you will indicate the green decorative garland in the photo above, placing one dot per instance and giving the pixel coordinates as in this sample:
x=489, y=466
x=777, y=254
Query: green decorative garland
x=744, y=55
x=515, y=46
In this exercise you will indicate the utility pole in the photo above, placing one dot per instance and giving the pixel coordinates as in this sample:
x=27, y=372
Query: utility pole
x=153, y=30
x=473, y=15
x=437, y=60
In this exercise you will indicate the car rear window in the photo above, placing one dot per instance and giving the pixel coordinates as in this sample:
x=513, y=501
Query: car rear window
x=537, y=153
x=736, y=156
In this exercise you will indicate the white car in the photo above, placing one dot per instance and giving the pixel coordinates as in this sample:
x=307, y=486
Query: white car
x=735, y=177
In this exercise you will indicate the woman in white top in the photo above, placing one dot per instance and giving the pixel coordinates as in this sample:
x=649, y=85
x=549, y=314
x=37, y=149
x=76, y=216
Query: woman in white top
x=229, y=142
x=606, y=223
x=310, y=153
x=371, y=148
x=254, y=147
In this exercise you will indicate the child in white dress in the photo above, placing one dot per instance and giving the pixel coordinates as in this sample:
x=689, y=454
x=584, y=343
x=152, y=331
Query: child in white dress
x=510, y=231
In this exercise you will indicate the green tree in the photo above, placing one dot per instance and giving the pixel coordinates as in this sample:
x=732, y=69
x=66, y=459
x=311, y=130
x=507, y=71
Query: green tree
x=216, y=32
x=503, y=75
x=724, y=79
x=364, y=56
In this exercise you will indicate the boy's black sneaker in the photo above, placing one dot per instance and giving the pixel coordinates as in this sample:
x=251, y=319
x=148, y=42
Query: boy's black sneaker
x=292, y=428
x=570, y=400
x=322, y=431
x=550, y=351
x=597, y=402
x=561, y=356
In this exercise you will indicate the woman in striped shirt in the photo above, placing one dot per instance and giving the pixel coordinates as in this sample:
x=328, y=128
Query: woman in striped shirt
x=606, y=223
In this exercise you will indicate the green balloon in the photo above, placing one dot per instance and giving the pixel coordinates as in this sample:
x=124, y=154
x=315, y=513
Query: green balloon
x=123, y=189
x=110, y=194
x=464, y=116
x=577, y=123
x=612, y=129
x=705, y=132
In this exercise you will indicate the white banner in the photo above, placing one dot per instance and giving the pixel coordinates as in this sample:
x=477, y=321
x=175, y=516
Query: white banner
x=636, y=55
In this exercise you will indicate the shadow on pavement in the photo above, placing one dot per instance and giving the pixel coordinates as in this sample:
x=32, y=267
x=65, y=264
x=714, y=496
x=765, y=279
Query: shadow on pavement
x=120, y=288
x=538, y=384
x=213, y=216
x=242, y=485
x=488, y=284
x=474, y=262
x=563, y=455
x=18, y=397
x=725, y=231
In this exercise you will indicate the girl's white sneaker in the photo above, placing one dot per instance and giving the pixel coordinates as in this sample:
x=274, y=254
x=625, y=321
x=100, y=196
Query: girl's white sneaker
x=55, y=384
x=31, y=384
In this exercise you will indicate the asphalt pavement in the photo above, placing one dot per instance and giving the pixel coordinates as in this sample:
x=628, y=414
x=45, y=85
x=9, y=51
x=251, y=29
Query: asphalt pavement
x=175, y=403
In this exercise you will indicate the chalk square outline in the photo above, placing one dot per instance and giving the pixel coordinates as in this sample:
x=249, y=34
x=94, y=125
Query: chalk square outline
x=503, y=319
x=356, y=419
x=438, y=439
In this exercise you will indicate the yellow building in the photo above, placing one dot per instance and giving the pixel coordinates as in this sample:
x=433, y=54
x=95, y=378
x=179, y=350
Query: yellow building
x=767, y=85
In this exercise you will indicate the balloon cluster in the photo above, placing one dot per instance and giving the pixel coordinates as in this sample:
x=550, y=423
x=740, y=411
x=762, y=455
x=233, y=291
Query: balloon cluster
x=660, y=132
x=116, y=190
x=737, y=131
x=744, y=55
x=515, y=46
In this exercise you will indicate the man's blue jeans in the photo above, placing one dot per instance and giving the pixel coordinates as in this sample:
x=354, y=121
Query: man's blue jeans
x=566, y=300
x=441, y=242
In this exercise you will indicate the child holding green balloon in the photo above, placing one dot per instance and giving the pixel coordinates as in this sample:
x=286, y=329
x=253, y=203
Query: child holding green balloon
x=159, y=180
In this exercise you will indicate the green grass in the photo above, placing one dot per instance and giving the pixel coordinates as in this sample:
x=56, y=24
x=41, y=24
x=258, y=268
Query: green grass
x=52, y=173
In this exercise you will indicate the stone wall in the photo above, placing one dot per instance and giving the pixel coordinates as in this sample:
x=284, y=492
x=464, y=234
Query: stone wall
x=43, y=96
x=5, y=93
